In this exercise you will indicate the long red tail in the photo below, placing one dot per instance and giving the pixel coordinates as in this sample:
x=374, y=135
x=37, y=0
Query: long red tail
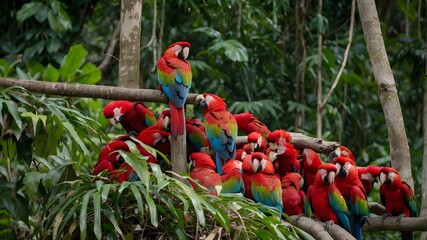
x=177, y=120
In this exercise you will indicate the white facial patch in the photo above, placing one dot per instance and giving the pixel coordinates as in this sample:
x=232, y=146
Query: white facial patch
x=177, y=49
x=117, y=112
x=209, y=99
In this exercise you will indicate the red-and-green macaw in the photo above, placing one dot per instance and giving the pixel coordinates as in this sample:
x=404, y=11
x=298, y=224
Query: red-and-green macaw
x=342, y=151
x=156, y=138
x=247, y=173
x=368, y=176
x=326, y=200
x=174, y=75
x=163, y=121
x=240, y=154
x=293, y=198
x=310, y=164
x=197, y=141
x=231, y=178
x=248, y=123
x=256, y=142
x=278, y=136
x=285, y=159
x=220, y=127
x=202, y=168
x=350, y=186
x=266, y=186
x=133, y=116
x=397, y=196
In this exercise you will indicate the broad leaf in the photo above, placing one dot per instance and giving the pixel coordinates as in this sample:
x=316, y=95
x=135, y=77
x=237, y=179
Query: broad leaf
x=72, y=61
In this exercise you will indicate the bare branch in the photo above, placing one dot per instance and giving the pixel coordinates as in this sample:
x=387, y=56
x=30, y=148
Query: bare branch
x=319, y=77
x=317, y=229
x=110, y=49
x=409, y=224
x=376, y=208
x=344, y=62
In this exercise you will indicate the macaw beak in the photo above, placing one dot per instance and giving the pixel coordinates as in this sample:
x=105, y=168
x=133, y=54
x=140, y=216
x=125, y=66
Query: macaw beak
x=183, y=54
x=273, y=145
x=166, y=123
x=112, y=121
x=331, y=178
x=301, y=183
x=334, y=154
x=384, y=179
x=200, y=101
x=253, y=146
x=340, y=171
x=256, y=166
x=272, y=156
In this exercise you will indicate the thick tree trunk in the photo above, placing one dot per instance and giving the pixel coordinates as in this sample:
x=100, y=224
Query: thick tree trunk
x=130, y=35
x=399, y=149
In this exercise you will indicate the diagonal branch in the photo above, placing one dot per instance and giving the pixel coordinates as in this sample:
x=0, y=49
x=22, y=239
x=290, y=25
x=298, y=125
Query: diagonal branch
x=110, y=49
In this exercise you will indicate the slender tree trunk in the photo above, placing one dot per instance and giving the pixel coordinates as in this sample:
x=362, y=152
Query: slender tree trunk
x=130, y=18
x=399, y=149
x=319, y=76
x=423, y=209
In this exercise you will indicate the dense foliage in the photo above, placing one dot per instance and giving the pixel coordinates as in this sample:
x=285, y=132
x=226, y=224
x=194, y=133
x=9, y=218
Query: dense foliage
x=248, y=52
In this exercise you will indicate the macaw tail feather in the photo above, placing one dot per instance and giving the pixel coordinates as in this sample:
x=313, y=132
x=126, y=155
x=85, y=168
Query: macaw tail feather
x=407, y=236
x=177, y=120
x=357, y=230
x=218, y=164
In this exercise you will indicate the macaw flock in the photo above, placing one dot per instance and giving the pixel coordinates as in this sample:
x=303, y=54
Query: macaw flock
x=268, y=169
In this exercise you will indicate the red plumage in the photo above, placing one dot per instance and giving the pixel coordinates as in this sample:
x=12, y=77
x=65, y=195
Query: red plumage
x=256, y=142
x=248, y=123
x=285, y=159
x=292, y=196
x=247, y=173
x=310, y=164
x=368, y=176
x=202, y=168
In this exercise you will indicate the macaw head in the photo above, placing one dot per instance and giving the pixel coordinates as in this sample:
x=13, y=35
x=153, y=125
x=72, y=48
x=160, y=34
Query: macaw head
x=240, y=154
x=278, y=136
x=179, y=50
x=210, y=102
x=231, y=165
x=293, y=179
x=203, y=160
x=311, y=158
x=256, y=142
x=345, y=166
x=153, y=136
x=341, y=151
x=390, y=177
x=109, y=157
x=369, y=173
x=243, y=119
x=114, y=111
x=261, y=163
x=163, y=121
x=326, y=174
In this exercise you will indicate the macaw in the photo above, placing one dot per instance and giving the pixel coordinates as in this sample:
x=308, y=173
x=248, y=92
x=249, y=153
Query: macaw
x=231, y=178
x=247, y=173
x=256, y=142
x=163, y=121
x=266, y=186
x=156, y=138
x=220, y=127
x=342, y=151
x=111, y=160
x=248, y=123
x=197, y=141
x=174, y=75
x=397, y=196
x=133, y=116
x=310, y=164
x=277, y=136
x=240, y=154
x=202, y=168
x=368, y=176
x=285, y=159
x=326, y=200
x=350, y=186
x=293, y=198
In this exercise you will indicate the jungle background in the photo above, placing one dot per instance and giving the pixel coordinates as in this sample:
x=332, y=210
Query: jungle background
x=261, y=56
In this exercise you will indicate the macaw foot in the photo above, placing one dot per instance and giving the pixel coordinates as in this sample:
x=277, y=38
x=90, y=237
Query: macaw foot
x=363, y=220
x=385, y=216
x=328, y=225
x=399, y=218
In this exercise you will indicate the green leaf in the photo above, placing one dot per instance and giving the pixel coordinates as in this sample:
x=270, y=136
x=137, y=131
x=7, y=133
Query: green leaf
x=59, y=22
x=15, y=203
x=32, y=181
x=72, y=61
x=110, y=216
x=35, y=119
x=97, y=215
x=138, y=198
x=27, y=10
x=41, y=14
x=234, y=50
x=12, y=108
x=90, y=74
x=83, y=214
x=51, y=74
x=208, y=31
x=75, y=136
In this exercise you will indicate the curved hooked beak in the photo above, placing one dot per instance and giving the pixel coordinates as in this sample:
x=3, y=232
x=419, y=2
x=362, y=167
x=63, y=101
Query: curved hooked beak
x=113, y=121
x=331, y=178
x=200, y=101
x=256, y=166
x=253, y=146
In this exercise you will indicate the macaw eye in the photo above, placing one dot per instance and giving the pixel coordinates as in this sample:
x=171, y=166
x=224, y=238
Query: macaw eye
x=120, y=160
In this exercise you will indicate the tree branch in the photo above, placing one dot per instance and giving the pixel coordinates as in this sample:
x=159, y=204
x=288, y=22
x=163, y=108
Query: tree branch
x=317, y=229
x=376, y=208
x=409, y=224
x=110, y=49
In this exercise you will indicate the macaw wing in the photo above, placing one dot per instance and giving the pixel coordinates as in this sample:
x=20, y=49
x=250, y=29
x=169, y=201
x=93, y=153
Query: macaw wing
x=358, y=201
x=410, y=199
x=305, y=205
x=339, y=207
x=222, y=133
x=267, y=190
x=145, y=113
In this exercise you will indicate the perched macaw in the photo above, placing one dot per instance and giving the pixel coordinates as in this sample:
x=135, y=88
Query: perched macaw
x=266, y=186
x=293, y=198
x=342, y=151
x=156, y=138
x=248, y=123
x=310, y=164
x=202, y=168
x=111, y=160
x=174, y=74
x=285, y=159
x=256, y=142
x=220, y=127
x=326, y=200
x=163, y=121
x=368, y=176
x=240, y=154
x=197, y=141
x=231, y=178
x=133, y=116
x=350, y=186
x=247, y=173
x=277, y=136
x=397, y=196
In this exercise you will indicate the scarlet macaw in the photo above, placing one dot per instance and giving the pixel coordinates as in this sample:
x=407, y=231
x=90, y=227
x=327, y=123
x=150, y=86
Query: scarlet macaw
x=326, y=200
x=293, y=198
x=156, y=138
x=278, y=136
x=349, y=184
x=247, y=173
x=231, y=178
x=220, y=127
x=133, y=116
x=174, y=75
x=266, y=186
x=342, y=151
x=397, y=196
x=285, y=159
x=310, y=164
x=197, y=141
x=248, y=123
x=256, y=142
x=368, y=176
x=202, y=168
